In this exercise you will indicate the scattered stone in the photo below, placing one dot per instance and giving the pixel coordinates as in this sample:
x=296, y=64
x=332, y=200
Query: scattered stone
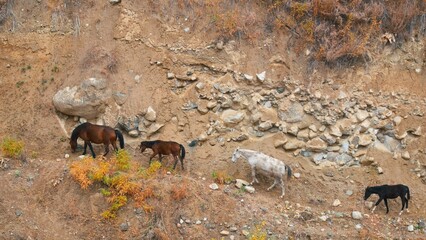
x=410, y=228
x=379, y=170
x=261, y=76
x=349, y=192
x=296, y=175
x=18, y=213
x=358, y=226
x=361, y=115
x=170, y=75
x=336, y=203
x=248, y=77
x=356, y=215
x=115, y=1
x=67, y=156
x=323, y=218
x=224, y=233
x=239, y=183
x=214, y=186
x=134, y=133
x=406, y=155
x=232, y=117
x=369, y=204
x=124, y=226
x=119, y=97
x=249, y=189
x=150, y=115
x=280, y=143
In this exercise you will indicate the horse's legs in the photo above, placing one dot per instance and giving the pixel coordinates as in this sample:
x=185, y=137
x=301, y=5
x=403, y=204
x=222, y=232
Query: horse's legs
x=282, y=188
x=114, y=145
x=386, y=203
x=153, y=155
x=91, y=148
x=377, y=203
x=106, y=149
x=176, y=161
x=273, y=185
x=160, y=156
x=181, y=162
x=253, y=174
x=85, y=147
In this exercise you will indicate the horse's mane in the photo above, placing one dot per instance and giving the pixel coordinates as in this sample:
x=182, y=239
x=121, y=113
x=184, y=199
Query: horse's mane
x=76, y=131
x=149, y=144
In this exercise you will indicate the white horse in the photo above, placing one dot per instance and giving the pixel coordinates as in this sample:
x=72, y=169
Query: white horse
x=266, y=164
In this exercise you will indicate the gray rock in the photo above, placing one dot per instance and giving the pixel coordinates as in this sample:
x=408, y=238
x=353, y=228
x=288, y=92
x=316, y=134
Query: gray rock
x=213, y=186
x=356, y=215
x=124, y=226
x=265, y=126
x=88, y=100
x=232, y=117
x=292, y=114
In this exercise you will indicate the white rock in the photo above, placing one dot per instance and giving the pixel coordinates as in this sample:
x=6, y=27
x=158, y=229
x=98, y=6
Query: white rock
x=356, y=215
x=296, y=175
x=336, y=203
x=214, y=186
x=410, y=228
x=405, y=155
x=261, y=76
x=150, y=115
x=358, y=226
x=67, y=156
x=250, y=189
x=239, y=183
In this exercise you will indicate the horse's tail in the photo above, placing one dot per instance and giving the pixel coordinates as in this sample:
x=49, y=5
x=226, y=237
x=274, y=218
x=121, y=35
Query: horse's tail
x=288, y=172
x=408, y=193
x=120, y=138
x=182, y=152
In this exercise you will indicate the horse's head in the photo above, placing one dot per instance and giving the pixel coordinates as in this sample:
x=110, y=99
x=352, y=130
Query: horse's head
x=236, y=155
x=367, y=193
x=143, y=147
x=73, y=145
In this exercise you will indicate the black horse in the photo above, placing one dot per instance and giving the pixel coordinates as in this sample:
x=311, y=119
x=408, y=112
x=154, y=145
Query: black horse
x=96, y=134
x=165, y=148
x=389, y=191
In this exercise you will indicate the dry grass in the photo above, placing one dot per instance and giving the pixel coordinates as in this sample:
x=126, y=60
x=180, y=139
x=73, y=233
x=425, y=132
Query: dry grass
x=121, y=178
x=334, y=31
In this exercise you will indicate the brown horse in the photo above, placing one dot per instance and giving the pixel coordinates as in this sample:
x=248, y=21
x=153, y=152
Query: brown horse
x=97, y=134
x=165, y=148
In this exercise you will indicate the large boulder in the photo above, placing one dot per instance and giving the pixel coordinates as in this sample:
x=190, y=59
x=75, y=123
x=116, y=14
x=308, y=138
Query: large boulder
x=88, y=100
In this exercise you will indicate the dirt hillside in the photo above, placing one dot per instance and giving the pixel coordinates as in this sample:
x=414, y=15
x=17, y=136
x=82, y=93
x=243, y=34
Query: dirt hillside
x=46, y=46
